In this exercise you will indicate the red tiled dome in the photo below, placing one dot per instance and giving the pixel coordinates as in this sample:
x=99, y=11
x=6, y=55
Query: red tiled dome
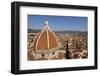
x=45, y=40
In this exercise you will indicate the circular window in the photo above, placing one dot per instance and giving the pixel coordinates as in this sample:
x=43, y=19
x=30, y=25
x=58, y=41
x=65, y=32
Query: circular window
x=42, y=55
x=53, y=53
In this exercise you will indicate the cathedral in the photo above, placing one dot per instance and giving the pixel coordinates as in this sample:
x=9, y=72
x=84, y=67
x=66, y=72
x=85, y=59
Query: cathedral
x=45, y=44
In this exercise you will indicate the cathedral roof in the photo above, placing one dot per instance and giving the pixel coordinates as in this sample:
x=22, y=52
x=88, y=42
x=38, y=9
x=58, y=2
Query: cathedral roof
x=45, y=40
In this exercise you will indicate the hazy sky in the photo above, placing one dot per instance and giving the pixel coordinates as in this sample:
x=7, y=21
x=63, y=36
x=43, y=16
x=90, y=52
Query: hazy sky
x=59, y=23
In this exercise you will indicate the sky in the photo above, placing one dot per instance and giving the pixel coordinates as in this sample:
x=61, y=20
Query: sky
x=58, y=23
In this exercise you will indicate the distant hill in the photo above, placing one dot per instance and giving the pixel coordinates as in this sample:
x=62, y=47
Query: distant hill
x=71, y=32
x=34, y=30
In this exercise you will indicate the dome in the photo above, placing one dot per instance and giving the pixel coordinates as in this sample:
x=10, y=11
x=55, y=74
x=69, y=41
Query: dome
x=45, y=41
